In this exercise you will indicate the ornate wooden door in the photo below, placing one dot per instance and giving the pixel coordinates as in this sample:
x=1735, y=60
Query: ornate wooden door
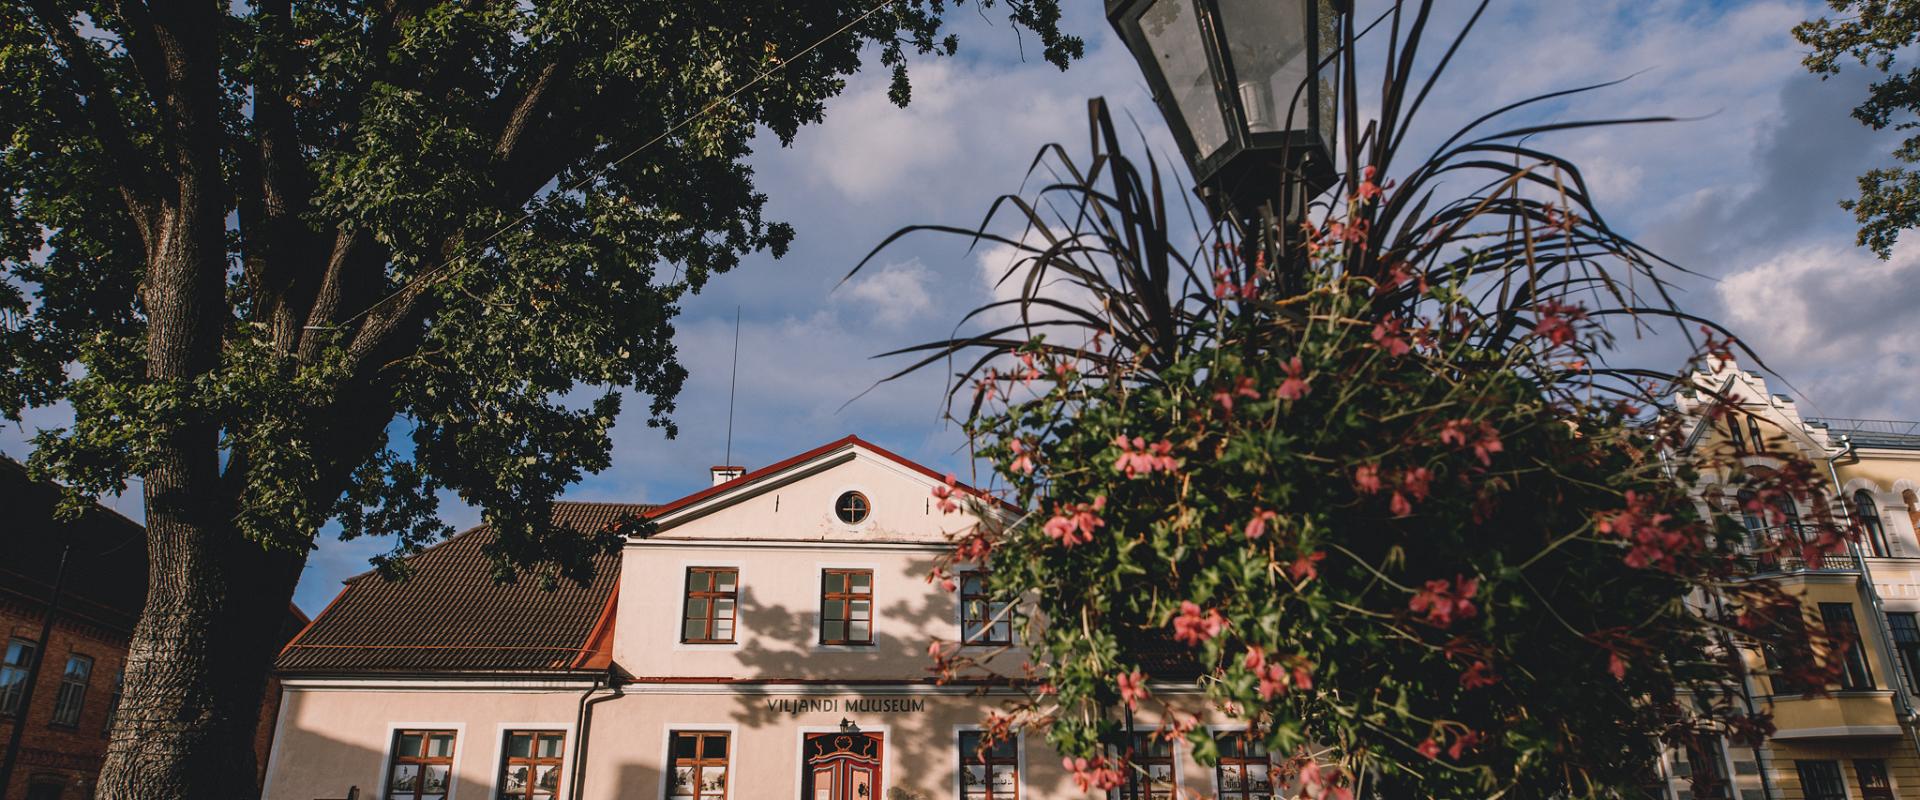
x=842, y=766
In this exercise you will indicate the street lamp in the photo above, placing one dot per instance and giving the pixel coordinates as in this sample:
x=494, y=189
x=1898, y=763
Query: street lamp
x=1238, y=82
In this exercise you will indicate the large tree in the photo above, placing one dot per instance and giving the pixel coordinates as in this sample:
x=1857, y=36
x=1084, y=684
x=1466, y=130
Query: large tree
x=1874, y=33
x=248, y=242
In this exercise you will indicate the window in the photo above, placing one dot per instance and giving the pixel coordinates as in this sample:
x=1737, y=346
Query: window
x=699, y=766
x=73, y=691
x=531, y=768
x=422, y=765
x=1869, y=513
x=1753, y=432
x=712, y=598
x=1839, y=620
x=1789, y=516
x=989, y=771
x=1872, y=774
x=113, y=702
x=1704, y=770
x=983, y=620
x=1245, y=771
x=1153, y=753
x=45, y=788
x=13, y=674
x=846, y=606
x=1733, y=431
x=1820, y=780
x=1906, y=640
x=852, y=508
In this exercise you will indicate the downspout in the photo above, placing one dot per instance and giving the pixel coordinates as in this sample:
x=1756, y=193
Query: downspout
x=1879, y=613
x=583, y=721
x=33, y=670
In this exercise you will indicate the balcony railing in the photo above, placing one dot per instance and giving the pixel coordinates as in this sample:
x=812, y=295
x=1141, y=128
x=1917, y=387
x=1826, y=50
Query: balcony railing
x=1775, y=551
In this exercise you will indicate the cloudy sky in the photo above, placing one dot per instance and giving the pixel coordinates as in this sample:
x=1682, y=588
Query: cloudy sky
x=1743, y=193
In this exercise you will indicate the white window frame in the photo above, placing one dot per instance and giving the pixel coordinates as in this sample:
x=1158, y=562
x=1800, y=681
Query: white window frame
x=731, y=729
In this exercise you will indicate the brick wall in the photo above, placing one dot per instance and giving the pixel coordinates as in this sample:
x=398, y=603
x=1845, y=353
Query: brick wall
x=51, y=753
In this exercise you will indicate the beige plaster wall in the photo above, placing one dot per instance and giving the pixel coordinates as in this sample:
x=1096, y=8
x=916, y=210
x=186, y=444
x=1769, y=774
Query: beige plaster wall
x=332, y=740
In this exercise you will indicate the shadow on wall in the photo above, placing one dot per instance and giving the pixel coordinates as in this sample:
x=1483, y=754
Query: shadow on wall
x=286, y=780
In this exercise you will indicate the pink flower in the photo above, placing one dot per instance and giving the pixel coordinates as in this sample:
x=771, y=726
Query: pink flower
x=1399, y=505
x=1257, y=527
x=1241, y=388
x=1097, y=773
x=1366, y=478
x=1303, y=567
x=1133, y=688
x=1417, y=482
x=1466, y=741
x=943, y=493
x=1074, y=525
x=1022, y=457
x=1479, y=675
x=1367, y=190
x=1387, y=335
x=1193, y=628
x=1032, y=368
x=1139, y=458
x=1320, y=783
x=1294, y=387
x=1556, y=321
x=1428, y=747
x=1443, y=603
x=1481, y=437
x=1616, y=665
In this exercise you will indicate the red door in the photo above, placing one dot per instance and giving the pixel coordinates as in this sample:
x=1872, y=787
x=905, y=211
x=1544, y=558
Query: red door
x=842, y=766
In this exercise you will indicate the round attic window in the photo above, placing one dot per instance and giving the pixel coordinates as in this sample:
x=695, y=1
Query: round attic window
x=852, y=508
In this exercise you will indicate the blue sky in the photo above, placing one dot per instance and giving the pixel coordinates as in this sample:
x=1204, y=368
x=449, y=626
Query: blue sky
x=1743, y=193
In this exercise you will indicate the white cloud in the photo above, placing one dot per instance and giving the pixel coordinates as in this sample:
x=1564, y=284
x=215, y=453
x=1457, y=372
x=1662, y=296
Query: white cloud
x=891, y=295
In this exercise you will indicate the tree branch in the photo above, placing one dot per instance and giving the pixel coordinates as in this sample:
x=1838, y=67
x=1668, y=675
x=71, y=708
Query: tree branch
x=93, y=94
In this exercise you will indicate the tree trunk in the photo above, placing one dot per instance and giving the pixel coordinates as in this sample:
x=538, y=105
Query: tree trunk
x=215, y=601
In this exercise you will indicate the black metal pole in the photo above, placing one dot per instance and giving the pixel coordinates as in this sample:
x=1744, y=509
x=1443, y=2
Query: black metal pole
x=33, y=671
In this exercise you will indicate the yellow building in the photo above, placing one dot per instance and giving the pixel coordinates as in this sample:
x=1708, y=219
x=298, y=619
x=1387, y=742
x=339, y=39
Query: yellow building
x=1859, y=741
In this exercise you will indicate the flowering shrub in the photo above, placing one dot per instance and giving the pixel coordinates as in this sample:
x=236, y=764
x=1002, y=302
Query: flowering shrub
x=1367, y=484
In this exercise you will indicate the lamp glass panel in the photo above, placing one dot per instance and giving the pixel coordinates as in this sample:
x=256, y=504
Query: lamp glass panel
x=1267, y=42
x=1172, y=31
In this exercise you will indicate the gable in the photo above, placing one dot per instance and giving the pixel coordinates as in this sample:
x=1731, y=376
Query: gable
x=795, y=500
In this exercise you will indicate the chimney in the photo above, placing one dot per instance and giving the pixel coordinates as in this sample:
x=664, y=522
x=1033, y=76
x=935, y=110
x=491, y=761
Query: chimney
x=723, y=474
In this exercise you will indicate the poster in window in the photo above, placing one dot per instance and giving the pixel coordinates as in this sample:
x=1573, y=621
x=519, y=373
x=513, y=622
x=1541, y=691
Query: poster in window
x=404, y=776
x=682, y=782
x=713, y=780
x=516, y=782
x=974, y=778
x=1004, y=780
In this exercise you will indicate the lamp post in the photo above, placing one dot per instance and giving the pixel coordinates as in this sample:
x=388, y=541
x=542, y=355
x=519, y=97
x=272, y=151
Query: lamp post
x=1238, y=82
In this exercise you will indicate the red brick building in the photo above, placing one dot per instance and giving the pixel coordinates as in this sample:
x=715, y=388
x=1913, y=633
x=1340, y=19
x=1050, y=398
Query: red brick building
x=67, y=717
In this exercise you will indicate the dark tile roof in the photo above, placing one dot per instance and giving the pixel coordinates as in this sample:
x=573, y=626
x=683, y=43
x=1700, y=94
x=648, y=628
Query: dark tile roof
x=106, y=572
x=450, y=616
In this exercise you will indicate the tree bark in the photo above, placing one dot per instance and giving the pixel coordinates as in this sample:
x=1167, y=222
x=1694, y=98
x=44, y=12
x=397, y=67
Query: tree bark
x=200, y=653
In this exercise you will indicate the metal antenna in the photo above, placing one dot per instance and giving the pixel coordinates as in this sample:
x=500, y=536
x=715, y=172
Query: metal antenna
x=732, y=384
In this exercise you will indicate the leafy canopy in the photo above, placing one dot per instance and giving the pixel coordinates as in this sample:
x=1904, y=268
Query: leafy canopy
x=1874, y=33
x=469, y=223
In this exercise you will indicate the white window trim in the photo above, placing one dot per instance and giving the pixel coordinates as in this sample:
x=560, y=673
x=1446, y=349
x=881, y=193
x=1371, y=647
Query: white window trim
x=813, y=617
x=1020, y=755
x=680, y=620
x=567, y=748
x=666, y=752
x=833, y=507
x=887, y=743
x=460, y=743
x=1179, y=767
x=960, y=613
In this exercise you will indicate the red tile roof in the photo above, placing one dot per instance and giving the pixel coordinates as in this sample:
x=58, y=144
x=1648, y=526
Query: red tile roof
x=450, y=616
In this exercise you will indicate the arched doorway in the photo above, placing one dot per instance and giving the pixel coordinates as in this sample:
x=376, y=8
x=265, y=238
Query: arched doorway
x=844, y=765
